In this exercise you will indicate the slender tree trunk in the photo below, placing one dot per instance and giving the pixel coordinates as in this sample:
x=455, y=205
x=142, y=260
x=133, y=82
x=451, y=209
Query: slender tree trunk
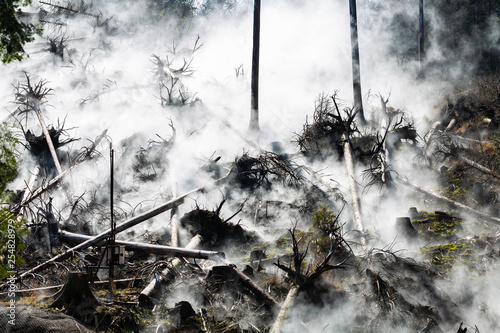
x=421, y=31
x=254, y=116
x=356, y=73
x=49, y=140
x=287, y=304
x=349, y=162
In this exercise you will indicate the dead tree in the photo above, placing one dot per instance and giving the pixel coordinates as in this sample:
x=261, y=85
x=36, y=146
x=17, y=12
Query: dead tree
x=254, y=115
x=31, y=97
x=348, y=126
x=421, y=50
x=302, y=280
x=356, y=72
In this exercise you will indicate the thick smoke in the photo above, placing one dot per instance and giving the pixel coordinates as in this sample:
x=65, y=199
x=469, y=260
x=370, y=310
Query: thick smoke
x=106, y=80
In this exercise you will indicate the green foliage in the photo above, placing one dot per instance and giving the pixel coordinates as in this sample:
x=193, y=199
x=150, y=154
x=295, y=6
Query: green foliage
x=434, y=226
x=8, y=163
x=14, y=33
x=324, y=220
x=444, y=257
x=11, y=242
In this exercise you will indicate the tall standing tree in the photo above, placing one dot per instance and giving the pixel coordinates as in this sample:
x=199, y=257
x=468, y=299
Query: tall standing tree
x=14, y=34
x=421, y=50
x=356, y=73
x=254, y=115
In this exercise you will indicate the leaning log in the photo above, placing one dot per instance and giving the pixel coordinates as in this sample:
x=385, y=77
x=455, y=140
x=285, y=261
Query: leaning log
x=349, y=162
x=50, y=144
x=452, y=203
x=119, y=228
x=172, y=251
x=287, y=304
x=154, y=289
x=230, y=272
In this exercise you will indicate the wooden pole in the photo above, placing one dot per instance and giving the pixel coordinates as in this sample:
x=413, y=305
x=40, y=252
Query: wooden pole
x=111, y=240
x=254, y=115
x=356, y=72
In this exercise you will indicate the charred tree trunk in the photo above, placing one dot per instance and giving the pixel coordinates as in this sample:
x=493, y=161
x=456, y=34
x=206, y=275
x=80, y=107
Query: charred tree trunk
x=254, y=115
x=421, y=50
x=356, y=72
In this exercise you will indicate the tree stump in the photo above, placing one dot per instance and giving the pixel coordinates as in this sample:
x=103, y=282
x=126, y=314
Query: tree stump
x=76, y=298
x=405, y=228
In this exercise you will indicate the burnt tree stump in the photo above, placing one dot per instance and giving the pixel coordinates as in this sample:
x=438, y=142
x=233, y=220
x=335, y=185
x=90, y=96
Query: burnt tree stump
x=405, y=228
x=76, y=298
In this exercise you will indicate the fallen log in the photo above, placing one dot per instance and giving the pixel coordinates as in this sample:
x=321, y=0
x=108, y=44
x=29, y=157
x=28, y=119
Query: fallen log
x=349, y=162
x=451, y=203
x=173, y=251
x=287, y=304
x=153, y=290
x=119, y=228
x=231, y=273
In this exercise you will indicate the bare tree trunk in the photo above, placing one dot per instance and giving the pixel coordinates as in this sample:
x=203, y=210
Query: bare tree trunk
x=230, y=272
x=356, y=72
x=174, y=221
x=287, y=304
x=451, y=203
x=47, y=137
x=153, y=290
x=353, y=190
x=254, y=116
x=421, y=49
x=173, y=251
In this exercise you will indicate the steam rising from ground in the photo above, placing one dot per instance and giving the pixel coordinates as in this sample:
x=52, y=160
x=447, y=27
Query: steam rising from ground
x=106, y=81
